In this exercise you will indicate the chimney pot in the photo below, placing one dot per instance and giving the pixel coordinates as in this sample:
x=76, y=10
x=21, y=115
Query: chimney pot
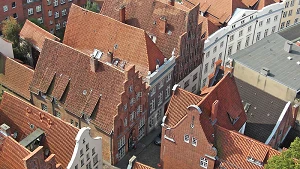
x=162, y=24
x=171, y=2
x=214, y=110
x=122, y=13
x=94, y=64
x=288, y=46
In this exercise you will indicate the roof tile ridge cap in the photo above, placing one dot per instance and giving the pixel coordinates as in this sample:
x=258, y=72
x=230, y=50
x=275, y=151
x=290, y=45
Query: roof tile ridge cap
x=112, y=19
x=148, y=47
x=10, y=59
x=43, y=30
x=7, y=95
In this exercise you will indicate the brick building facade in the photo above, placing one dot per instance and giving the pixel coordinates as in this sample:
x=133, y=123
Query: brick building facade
x=11, y=8
x=111, y=100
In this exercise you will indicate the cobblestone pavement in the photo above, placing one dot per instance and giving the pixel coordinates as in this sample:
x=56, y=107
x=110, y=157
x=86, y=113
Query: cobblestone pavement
x=150, y=155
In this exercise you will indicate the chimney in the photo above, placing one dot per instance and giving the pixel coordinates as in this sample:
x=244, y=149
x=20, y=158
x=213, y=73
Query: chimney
x=109, y=57
x=122, y=13
x=162, y=24
x=214, y=111
x=94, y=64
x=132, y=160
x=5, y=129
x=288, y=46
x=265, y=71
x=171, y=2
x=295, y=110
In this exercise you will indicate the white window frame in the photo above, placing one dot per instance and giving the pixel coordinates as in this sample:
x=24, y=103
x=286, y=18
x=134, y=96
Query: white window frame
x=49, y=13
x=63, y=12
x=56, y=15
x=194, y=141
x=153, y=90
x=152, y=105
x=132, y=101
x=5, y=8
x=161, y=84
x=29, y=1
x=57, y=26
x=168, y=90
x=38, y=8
x=212, y=62
x=160, y=98
x=186, y=138
x=169, y=76
x=55, y=3
x=30, y=11
x=64, y=23
x=203, y=162
x=62, y=1
x=40, y=19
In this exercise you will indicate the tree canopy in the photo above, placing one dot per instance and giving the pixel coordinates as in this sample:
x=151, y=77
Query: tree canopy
x=11, y=29
x=288, y=159
x=92, y=6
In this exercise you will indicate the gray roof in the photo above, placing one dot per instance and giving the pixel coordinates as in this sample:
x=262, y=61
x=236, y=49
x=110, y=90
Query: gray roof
x=269, y=53
x=263, y=112
x=291, y=33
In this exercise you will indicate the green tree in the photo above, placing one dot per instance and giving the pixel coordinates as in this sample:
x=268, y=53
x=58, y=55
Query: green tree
x=288, y=159
x=37, y=22
x=11, y=29
x=60, y=33
x=92, y=6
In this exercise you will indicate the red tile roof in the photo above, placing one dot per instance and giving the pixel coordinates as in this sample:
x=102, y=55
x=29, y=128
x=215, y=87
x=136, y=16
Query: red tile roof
x=263, y=3
x=146, y=14
x=82, y=87
x=60, y=136
x=228, y=106
x=11, y=153
x=234, y=149
x=208, y=27
x=138, y=165
x=127, y=43
x=35, y=35
x=179, y=102
x=15, y=76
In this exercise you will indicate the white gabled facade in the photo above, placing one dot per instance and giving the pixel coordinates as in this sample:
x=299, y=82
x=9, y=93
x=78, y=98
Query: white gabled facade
x=245, y=28
x=87, y=152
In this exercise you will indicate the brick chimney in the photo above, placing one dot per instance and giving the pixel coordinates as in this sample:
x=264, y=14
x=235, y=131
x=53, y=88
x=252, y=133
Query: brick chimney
x=94, y=64
x=109, y=57
x=5, y=129
x=171, y=2
x=162, y=24
x=122, y=13
x=214, y=110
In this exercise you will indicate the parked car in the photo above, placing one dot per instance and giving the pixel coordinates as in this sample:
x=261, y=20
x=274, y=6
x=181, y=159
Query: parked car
x=157, y=140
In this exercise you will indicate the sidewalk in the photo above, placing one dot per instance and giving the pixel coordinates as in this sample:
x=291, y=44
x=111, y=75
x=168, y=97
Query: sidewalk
x=142, y=144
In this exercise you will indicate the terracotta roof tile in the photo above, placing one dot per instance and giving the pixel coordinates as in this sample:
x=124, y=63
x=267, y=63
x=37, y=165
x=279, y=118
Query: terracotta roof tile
x=15, y=76
x=179, y=102
x=229, y=105
x=60, y=86
x=85, y=88
x=263, y=3
x=138, y=165
x=35, y=35
x=18, y=114
x=146, y=14
x=250, y=3
x=127, y=43
x=234, y=149
x=208, y=27
x=11, y=153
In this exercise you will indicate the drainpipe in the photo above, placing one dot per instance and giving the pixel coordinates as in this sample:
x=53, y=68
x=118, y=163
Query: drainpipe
x=111, y=149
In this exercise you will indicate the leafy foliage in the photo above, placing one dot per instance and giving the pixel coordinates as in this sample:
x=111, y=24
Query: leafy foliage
x=11, y=29
x=288, y=159
x=92, y=6
x=37, y=22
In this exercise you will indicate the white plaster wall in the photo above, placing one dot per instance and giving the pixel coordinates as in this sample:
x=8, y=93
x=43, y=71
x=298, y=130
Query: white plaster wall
x=241, y=20
x=82, y=139
x=6, y=48
x=263, y=15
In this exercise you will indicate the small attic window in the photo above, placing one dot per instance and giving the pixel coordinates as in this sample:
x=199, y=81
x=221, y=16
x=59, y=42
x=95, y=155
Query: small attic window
x=232, y=120
x=169, y=32
x=84, y=92
x=254, y=161
x=246, y=107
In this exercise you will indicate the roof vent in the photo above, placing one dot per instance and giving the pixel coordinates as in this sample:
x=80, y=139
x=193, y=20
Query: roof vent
x=298, y=63
x=288, y=46
x=84, y=92
x=265, y=71
x=290, y=58
x=5, y=129
x=97, y=54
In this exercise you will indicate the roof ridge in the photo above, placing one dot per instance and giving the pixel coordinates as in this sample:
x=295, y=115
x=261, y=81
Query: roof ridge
x=31, y=23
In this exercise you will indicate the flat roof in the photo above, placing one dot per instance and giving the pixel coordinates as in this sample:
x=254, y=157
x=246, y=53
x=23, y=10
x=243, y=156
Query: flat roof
x=291, y=33
x=31, y=137
x=269, y=53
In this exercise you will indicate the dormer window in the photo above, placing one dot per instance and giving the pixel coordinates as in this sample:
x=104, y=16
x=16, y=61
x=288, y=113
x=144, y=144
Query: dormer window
x=232, y=120
x=186, y=138
x=194, y=141
x=203, y=162
x=254, y=161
